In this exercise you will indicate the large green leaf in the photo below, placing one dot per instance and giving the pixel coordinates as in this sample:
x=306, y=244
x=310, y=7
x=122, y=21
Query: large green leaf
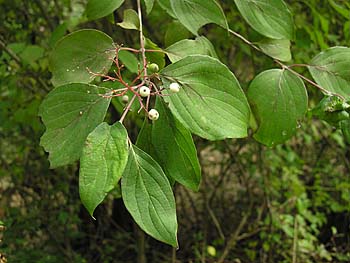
x=270, y=18
x=148, y=196
x=278, y=99
x=211, y=102
x=194, y=14
x=100, y=8
x=276, y=48
x=102, y=163
x=175, y=149
x=186, y=47
x=331, y=70
x=78, y=51
x=70, y=113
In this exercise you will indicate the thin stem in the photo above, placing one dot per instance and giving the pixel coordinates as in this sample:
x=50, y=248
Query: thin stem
x=142, y=40
x=140, y=50
x=245, y=40
x=143, y=51
x=327, y=92
x=285, y=66
x=10, y=53
x=173, y=255
x=127, y=108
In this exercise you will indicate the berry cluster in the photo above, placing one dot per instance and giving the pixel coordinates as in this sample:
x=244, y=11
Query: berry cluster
x=147, y=77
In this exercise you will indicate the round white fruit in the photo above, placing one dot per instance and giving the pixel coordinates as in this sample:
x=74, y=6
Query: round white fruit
x=125, y=99
x=153, y=114
x=174, y=87
x=144, y=91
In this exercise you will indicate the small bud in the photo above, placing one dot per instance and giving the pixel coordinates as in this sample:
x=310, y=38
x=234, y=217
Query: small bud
x=174, y=87
x=144, y=91
x=125, y=99
x=153, y=67
x=153, y=115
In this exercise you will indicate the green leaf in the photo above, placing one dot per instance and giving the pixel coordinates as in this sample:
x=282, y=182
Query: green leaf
x=186, y=47
x=73, y=54
x=144, y=139
x=145, y=143
x=154, y=57
x=149, y=5
x=131, y=20
x=175, y=32
x=166, y=5
x=129, y=60
x=270, y=18
x=31, y=53
x=99, y=8
x=174, y=148
x=102, y=163
x=148, y=196
x=278, y=99
x=331, y=70
x=194, y=14
x=276, y=48
x=70, y=113
x=211, y=102
x=57, y=34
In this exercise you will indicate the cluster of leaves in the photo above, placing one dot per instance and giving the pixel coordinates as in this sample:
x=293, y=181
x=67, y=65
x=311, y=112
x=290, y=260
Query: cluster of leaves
x=64, y=230
x=211, y=104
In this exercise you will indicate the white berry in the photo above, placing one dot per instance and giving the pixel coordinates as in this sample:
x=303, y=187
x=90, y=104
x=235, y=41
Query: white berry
x=144, y=91
x=174, y=87
x=153, y=115
x=125, y=99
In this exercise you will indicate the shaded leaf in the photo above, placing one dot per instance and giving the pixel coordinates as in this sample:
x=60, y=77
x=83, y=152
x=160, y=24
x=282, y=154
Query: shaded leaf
x=175, y=32
x=154, y=57
x=186, y=47
x=131, y=20
x=100, y=8
x=194, y=14
x=149, y=5
x=174, y=148
x=276, y=48
x=129, y=60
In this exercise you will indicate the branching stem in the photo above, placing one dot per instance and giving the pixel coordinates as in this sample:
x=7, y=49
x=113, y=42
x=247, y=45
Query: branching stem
x=287, y=67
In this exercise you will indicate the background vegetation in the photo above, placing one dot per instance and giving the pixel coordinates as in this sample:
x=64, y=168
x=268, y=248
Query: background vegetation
x=290, y=203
